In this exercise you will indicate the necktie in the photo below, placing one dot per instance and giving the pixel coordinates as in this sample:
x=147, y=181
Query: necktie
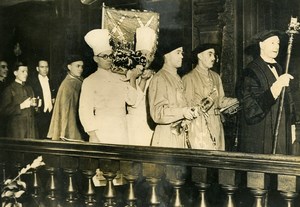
x=272, y=65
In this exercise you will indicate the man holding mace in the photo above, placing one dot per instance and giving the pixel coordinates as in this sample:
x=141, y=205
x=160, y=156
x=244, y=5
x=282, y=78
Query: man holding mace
x=259, y=93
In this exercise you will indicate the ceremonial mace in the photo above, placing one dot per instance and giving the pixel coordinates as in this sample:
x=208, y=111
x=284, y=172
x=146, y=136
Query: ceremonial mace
x=293, y=28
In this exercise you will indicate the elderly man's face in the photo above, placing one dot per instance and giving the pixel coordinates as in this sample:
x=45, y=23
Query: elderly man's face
x=3, y=69
x=174, y=58
x=207, y=58
x=270, y=47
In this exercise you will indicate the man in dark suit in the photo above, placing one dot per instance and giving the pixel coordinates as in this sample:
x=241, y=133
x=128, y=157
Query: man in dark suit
x=45, y=92
x=3, y=85
x=3, y=75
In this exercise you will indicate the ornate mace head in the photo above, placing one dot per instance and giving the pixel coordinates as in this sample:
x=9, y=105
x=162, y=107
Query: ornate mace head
x=293, y=26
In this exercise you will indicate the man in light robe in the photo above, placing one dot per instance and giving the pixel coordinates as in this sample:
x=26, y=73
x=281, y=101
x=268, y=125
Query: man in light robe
x=168, y=105
x=206, y=131
x=65, y=123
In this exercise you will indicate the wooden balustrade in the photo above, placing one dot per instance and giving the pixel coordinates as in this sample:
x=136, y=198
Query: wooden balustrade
x=89, y=195
x=145, y=176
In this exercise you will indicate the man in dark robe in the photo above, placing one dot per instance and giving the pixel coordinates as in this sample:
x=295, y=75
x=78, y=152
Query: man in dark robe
x=259, y=93
x=3, y=85
x=18, y=105
x=3, y=75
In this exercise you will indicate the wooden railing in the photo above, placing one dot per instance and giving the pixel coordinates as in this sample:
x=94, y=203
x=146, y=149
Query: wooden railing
x=149, y=176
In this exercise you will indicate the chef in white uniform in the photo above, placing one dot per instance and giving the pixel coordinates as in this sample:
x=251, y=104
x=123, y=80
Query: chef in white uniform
x=103, y=99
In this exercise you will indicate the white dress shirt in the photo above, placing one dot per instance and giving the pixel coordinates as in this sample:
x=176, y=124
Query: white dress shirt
x=46, y=93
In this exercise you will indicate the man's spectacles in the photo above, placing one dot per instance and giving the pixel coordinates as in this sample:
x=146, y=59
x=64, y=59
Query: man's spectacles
x=105, y=56
x=3, y=66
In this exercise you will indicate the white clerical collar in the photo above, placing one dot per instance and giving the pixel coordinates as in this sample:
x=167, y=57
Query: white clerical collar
x=18, y=81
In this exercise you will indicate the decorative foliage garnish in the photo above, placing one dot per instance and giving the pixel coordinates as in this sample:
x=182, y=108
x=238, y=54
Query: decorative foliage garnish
x=13, y=189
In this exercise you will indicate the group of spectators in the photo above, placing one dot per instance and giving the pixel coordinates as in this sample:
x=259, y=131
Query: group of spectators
x=27, y=103
x=116, y=107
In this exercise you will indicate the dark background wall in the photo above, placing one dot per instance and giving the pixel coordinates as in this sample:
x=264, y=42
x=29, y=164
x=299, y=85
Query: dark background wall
x=55, y=28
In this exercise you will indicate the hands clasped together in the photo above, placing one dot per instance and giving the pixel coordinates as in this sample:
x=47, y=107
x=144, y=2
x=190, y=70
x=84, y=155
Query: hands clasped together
x=31, y=102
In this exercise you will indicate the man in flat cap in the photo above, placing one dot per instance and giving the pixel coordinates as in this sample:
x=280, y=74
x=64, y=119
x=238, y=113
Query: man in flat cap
x=204, y=87
x=65, y=123
x=139, y=130
x=168, y=106
x=259, y=93
x=102, y=107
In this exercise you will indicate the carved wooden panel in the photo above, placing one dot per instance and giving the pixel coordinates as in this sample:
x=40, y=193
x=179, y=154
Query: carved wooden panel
x=206, y=24
x=228, y=69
